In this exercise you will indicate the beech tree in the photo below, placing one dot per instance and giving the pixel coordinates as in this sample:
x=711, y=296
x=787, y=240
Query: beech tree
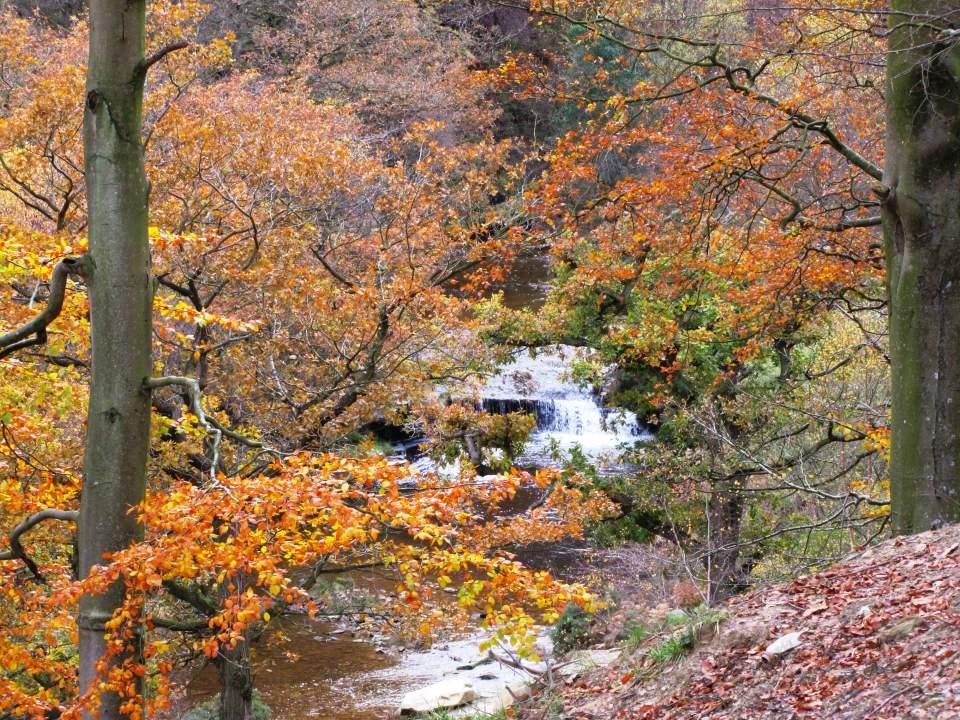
x=919, y=195
x=121, y=306
x=117, y=273
x=165, y=567
x=758, y=135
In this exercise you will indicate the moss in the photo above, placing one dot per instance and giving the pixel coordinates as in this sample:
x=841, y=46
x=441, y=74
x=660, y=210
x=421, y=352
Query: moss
x=572, y=629
x=210, y=710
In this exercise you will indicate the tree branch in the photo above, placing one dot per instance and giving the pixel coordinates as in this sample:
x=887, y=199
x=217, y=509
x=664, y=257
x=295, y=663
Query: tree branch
x=194, y=597
x=212, y=426
x=160, y=54
x=660, y=43
x=180, y=625
x=37, y=328
x=322, y=257
x=192, y=388
x=16, y=551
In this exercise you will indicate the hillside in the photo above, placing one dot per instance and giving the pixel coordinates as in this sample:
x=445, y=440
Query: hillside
x=878, y=639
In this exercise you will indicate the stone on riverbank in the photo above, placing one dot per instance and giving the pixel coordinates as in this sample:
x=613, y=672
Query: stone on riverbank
x=439, y=696
x=492, y=704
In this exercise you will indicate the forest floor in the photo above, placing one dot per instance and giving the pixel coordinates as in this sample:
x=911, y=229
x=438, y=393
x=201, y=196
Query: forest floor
x=879, y=637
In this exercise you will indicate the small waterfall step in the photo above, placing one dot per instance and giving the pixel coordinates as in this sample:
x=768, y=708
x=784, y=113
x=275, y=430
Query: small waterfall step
x=567, y=415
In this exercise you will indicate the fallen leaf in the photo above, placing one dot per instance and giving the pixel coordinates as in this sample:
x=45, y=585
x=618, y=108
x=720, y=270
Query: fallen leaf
x=817, y=607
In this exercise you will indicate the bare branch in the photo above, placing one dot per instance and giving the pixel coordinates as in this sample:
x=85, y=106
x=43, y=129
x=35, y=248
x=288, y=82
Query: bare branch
x=16, y=551
x=212, y=426
x=192, y=626
x=192, y=388
x=161, y=54
x=322, y=257
x=21, y=337
x=191, y=595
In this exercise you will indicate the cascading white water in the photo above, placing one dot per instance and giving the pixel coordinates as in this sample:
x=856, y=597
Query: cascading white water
x=568, y=415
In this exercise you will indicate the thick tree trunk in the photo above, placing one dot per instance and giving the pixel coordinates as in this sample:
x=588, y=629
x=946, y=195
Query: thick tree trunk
x=921, y=210
x=236, y=682
x=118, y=423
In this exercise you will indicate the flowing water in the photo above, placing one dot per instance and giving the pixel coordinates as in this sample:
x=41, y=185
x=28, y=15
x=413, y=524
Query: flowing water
x=324, y=671
x=568, y=416
x=315, y=669
x=313, y=676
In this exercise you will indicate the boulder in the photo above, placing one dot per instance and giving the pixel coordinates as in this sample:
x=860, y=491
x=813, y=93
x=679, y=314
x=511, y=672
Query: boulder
x=494, y=703
x=439, y=696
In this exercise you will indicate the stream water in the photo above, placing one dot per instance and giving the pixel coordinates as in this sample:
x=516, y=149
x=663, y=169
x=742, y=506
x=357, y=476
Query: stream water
x=323, y=671
x=314, y=676
x=568, y=415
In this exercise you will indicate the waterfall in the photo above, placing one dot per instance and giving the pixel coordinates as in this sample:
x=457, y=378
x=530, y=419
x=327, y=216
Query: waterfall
x=567, y=415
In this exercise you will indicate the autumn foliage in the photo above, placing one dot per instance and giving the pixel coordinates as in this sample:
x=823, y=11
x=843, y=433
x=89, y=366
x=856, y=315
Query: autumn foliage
x=312, y=281
x=336, y=196
x=708, y=203
x=237, y=552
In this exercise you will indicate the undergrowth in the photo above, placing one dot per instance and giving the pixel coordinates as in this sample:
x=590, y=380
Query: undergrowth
x=675, y=634
x=210, y=710
x=450, y=715
x=572, y=630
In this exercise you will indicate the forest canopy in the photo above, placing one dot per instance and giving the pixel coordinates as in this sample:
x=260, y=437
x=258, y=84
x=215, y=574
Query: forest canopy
x=258, y=257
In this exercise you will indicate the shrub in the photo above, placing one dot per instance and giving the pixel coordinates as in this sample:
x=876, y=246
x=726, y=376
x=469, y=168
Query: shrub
x=571, y=630
x=210, y=710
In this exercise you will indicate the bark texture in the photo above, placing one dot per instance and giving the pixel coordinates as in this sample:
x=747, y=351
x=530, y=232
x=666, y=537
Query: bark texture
x=236, y=682
x=120, y=287
x=921, y=209
x=725, y=510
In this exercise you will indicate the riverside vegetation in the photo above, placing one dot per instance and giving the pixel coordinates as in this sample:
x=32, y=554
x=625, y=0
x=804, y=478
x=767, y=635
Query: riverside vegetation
x=435, y=289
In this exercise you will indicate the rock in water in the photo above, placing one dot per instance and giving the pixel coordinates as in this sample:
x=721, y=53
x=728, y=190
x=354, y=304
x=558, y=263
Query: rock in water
x=446, y=694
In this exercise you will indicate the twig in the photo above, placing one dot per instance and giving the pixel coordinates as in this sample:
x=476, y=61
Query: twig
x=907, y=689
x=515, y=664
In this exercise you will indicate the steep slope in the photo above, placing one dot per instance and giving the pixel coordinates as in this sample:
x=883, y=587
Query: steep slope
x=879, y=638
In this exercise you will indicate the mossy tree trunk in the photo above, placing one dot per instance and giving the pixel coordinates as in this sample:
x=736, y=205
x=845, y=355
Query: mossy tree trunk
x=118, y=423
x=236, y=681
x=921, y=209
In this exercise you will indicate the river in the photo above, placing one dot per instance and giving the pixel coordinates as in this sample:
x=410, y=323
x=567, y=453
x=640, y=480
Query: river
x=310, y=668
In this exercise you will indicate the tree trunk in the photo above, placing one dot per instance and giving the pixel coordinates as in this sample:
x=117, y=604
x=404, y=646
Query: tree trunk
x=236, y=682
x=921, y=208
x=118, y=422
x=725, y=514
x=233, y=664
